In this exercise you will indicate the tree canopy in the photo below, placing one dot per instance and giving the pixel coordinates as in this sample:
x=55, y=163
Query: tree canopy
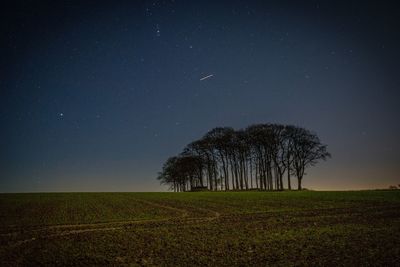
x=257, y=157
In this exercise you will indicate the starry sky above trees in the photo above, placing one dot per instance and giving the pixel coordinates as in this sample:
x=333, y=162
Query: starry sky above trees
x=95, y=96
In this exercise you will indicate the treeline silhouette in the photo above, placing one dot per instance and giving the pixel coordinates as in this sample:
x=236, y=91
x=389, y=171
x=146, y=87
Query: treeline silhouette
x=260, y=157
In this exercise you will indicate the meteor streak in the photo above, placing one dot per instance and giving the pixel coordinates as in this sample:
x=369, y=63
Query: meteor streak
x=206, y=77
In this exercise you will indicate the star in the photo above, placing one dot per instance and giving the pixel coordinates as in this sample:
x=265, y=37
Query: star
x=158, y=30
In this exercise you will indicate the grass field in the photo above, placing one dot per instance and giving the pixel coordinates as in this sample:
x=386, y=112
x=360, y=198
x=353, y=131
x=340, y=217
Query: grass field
x=204, y=228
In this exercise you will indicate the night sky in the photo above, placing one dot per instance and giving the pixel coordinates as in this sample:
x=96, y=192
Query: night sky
x=96, y=96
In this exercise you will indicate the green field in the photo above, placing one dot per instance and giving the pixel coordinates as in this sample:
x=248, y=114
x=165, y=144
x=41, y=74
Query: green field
x=204, y=228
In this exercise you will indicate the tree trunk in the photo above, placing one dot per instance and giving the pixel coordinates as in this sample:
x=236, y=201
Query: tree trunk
x=280, y=180
x=246, y=177
x=201, y=177
x=299, y=183
x=233, y=177
x=251, y=173
x=288, y=174
x=256, y=176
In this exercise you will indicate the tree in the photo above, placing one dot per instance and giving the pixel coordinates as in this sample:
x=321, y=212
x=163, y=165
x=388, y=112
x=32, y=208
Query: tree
x=288, y=146
x=182, y=173
x=307, y=151
x=169, y=174
x=219, y=144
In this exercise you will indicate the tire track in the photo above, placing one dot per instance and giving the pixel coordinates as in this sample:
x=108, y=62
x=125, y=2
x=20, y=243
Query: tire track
x=71, y=229
x=85, y=225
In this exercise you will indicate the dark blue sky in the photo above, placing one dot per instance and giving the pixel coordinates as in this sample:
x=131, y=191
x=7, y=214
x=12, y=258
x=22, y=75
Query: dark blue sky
x=95, y=96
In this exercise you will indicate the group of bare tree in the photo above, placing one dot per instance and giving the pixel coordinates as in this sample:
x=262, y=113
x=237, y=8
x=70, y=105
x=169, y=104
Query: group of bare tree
x=261, y=157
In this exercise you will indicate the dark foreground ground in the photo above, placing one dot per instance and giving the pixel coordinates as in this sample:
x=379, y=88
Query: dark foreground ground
x=175, y=229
